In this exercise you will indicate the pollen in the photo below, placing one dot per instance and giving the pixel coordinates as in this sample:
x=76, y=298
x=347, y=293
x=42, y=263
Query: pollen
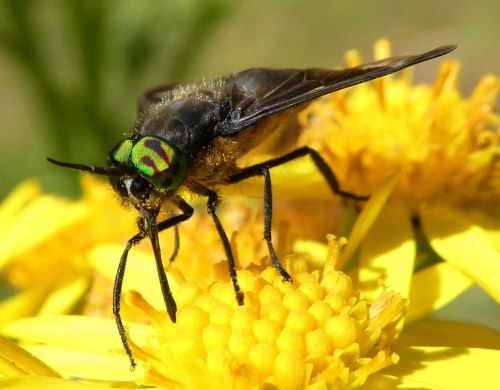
x=315, y=330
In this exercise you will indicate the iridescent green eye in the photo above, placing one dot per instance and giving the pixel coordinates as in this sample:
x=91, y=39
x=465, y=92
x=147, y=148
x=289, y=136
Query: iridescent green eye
x=159, y=161
x=122, y=151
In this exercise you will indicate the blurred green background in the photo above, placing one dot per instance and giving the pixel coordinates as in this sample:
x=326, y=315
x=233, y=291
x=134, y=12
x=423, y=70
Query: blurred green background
x=71, y=70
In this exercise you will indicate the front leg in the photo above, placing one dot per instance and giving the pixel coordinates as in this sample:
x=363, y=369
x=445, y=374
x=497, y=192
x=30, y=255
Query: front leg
x=147, y=227
x=117, y=290
x=153, y=230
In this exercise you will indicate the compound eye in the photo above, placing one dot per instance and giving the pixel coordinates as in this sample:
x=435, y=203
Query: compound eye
x=161, y=162
x=120, y=154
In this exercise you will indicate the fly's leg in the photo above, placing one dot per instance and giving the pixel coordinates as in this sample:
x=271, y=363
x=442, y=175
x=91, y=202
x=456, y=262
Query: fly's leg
x=152, y=231
x=263, y=170
x=177, y=242
x=211, y=206
x=117, y=292
x=187, y=212
x=256, y=170
x=268, y=215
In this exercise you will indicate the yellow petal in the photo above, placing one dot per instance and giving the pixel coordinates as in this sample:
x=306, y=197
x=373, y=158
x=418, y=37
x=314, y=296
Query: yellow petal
x=437, y=333
x=99, y=334
x=84, y=364
x=24, y=304
x=463, y=244
x=383, y=382
x=14, y=360
x=25, y=231
x=317, y=251
x=367, y=218
x=488, y=223
x=448, y=368
x=41, y=383
x=62, y=299
x=140, y=273
x=17, y=199
x=388, y=253
x=434, y=287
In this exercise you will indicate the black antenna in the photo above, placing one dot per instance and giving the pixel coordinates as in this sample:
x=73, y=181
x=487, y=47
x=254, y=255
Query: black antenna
x=106, y=171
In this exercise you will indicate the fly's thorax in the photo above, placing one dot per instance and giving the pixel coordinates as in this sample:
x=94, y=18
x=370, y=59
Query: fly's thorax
x=188, y=122
x=153, y=169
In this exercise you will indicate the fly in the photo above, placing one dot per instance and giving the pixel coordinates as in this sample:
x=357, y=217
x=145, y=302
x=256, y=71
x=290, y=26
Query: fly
x=189, y=137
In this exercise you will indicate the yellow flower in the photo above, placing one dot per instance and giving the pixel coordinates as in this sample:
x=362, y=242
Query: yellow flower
x=446, y=149
x=313, y=331
x=327, y=329
x=316, y=331
x=317, y=328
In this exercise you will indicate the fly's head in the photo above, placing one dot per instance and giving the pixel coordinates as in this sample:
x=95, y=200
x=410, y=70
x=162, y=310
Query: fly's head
x=152, y=169
x=143, y=170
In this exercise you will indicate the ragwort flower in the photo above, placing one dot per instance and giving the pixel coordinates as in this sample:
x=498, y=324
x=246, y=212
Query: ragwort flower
x=314, y=332
x=446, y=149
x=318, y=332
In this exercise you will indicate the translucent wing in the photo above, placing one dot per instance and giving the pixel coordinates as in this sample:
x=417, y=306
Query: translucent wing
x=257, y=93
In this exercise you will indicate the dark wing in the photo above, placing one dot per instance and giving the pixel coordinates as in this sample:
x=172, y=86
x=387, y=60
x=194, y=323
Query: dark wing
x=257, y=93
